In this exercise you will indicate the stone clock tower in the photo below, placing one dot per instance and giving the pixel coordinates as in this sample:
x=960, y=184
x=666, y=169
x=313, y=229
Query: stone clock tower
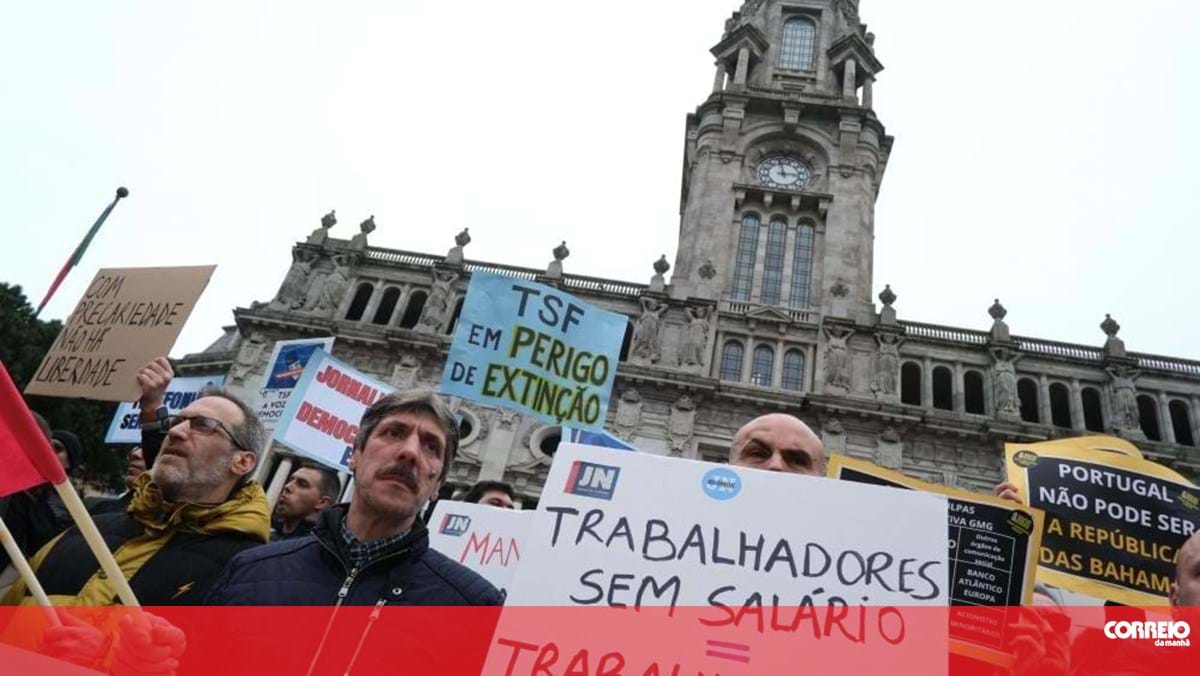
x=783, y=164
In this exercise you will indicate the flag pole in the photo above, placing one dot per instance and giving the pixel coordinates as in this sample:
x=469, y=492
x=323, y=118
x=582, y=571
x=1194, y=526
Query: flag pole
x=22, y=565
x=96, y=542
x=77, y=255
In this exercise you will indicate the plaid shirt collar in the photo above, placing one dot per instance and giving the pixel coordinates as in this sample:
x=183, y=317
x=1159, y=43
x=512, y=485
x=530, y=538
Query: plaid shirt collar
x=363, y=553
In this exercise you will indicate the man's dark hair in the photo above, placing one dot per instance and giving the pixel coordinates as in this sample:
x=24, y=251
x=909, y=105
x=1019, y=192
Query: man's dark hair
x=329, y=485
x=409, y=402
x=250, y=434
x=476, y=492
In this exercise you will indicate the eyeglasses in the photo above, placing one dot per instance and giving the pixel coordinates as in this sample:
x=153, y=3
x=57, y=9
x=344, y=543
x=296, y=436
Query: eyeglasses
x=204, y=425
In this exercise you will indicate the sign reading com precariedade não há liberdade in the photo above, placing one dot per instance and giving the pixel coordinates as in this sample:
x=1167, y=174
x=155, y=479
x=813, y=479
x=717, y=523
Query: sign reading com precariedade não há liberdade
x=1114, y=522
x=534, y=349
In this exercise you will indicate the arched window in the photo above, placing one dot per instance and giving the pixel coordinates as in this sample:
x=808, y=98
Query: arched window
x=802, y=264
x=1027, y=392
x=412, y=311
x=943, y=389
x=762, y=369
x=1181, y=422
x=799, y=42
x=454, y=317
x=1093, y=412
x=747, y=250
x=1148, y=412
x=731, y=361
x=359, y=305
x=1060, y=405
x=793, y=370
x=628, y=341
x=387, y=306
x=910, y=383
x=973, y=392
x=772, y=284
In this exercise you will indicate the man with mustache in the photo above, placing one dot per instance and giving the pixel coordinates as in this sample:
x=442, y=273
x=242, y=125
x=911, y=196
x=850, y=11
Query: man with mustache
x=373, y=551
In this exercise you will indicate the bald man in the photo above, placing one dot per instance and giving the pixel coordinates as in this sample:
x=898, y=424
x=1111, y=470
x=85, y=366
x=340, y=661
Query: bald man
x=1185, y=591
x=778, y=442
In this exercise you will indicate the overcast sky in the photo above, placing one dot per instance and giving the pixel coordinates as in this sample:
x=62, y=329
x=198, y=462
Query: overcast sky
x=1045, y=150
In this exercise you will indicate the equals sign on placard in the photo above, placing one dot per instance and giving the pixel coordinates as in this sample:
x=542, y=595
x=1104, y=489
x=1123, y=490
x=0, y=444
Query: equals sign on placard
x=724, y=650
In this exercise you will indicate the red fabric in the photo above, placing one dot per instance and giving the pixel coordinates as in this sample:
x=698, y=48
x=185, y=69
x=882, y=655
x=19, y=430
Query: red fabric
x=26, y=458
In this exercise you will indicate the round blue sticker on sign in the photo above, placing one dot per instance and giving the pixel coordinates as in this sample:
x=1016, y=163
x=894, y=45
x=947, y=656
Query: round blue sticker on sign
x=721, y=484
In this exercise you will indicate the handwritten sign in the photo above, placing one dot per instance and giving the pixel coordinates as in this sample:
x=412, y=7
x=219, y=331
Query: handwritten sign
x=992, y=557
x=763, y=560
x=486, y=539
x=127, y=317
x=1114, y=522
x=323, y=412
x=126, y=426
x=288, y=360
x=534, y=349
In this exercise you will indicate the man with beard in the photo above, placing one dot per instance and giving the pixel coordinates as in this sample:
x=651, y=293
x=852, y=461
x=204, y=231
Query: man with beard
x=373, y=551
x=308, y=491
x=133, y=469
x=187, y=517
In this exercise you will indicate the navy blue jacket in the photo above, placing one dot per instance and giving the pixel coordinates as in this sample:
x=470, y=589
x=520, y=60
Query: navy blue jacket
x=314, y=571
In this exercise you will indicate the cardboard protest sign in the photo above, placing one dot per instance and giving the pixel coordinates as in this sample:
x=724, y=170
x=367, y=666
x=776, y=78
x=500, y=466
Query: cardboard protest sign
x=288, y=360
x=1114, y=523
x=534, y=349
x=992, y=559
x=323, y=411
x=486, y=539
x=126, y=425
x=761, y=560
x=127, y=317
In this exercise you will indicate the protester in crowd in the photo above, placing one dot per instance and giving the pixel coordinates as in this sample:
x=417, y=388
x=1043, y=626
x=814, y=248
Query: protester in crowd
x=1185, y=590
x=373, y=551
x=309, y=491
x=134, y=466
x=188, y=516
x=778, y=442
x=491, y=493
x=36, y=516
x=69, y=450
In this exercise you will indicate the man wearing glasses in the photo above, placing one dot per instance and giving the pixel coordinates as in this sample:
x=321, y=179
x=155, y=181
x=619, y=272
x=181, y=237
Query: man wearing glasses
x=188, y=516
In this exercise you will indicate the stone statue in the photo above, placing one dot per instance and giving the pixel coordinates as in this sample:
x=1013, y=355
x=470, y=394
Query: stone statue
x=695, y=339
x=437, y=307
x=681, y=424
x=295, y=284
x=887, y=364
x=367, y=227
x=1004, y=374
x=321, y=234
x=629, y=414
x=837, y=357
x=1125, y=398
x=333, y=288
x=646, y=341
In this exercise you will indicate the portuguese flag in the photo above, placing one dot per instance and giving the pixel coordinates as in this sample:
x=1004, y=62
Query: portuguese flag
x=79, y=250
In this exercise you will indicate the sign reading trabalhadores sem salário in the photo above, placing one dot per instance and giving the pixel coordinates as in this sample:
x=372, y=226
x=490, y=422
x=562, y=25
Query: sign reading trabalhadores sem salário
x=534, y=349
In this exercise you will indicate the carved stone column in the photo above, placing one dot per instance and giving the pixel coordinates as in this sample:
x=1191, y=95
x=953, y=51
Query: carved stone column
x=850, y=80
x=743, y=67
x=1165, y=424
x=719, y=80
x=927, y=383
x=1044, y=415
x=1077, y=420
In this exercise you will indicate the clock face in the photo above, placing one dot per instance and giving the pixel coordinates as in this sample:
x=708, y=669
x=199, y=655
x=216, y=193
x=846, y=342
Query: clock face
x=783, y=171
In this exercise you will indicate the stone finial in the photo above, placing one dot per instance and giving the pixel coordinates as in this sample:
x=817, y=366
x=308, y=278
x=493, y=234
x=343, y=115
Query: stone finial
x=1113, y=346
x=707, y=271
x=999, y=328
x=657, y=283
x=887, y=296
x=329, y=220
x=359, y=241
x=997, y=311
x=368, y=226
x=888, y=314
x=321, y=234
x=555, y=269
x=455, y=257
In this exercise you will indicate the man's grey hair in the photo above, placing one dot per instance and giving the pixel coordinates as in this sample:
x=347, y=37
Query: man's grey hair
x=250, y=434
x=409, y=402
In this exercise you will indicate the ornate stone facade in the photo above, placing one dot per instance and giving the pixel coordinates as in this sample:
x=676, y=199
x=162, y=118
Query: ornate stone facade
x=769, y=307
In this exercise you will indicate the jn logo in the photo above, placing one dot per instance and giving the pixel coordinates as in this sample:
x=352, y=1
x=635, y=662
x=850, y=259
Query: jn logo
x=455, y=524
x=593, y=481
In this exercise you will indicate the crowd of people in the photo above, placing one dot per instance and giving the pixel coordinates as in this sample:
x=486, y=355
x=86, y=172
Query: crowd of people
x=193, y=528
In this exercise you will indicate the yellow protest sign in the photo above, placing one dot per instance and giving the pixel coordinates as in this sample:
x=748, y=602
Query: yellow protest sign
x=1114, y=521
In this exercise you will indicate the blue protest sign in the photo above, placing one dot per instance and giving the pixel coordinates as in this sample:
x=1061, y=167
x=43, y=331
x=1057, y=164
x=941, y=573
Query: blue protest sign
x=535, y=349
x=592, y=438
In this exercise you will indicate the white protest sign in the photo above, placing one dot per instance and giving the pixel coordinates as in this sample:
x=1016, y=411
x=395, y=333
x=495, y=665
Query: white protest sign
x=323, y=412
x=288, y=360
x=486, y=539
x=758, y=560
x=126, y=426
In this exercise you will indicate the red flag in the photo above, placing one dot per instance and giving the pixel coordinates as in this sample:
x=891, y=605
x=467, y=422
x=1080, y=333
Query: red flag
x=26, y=458
x=77, y=255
